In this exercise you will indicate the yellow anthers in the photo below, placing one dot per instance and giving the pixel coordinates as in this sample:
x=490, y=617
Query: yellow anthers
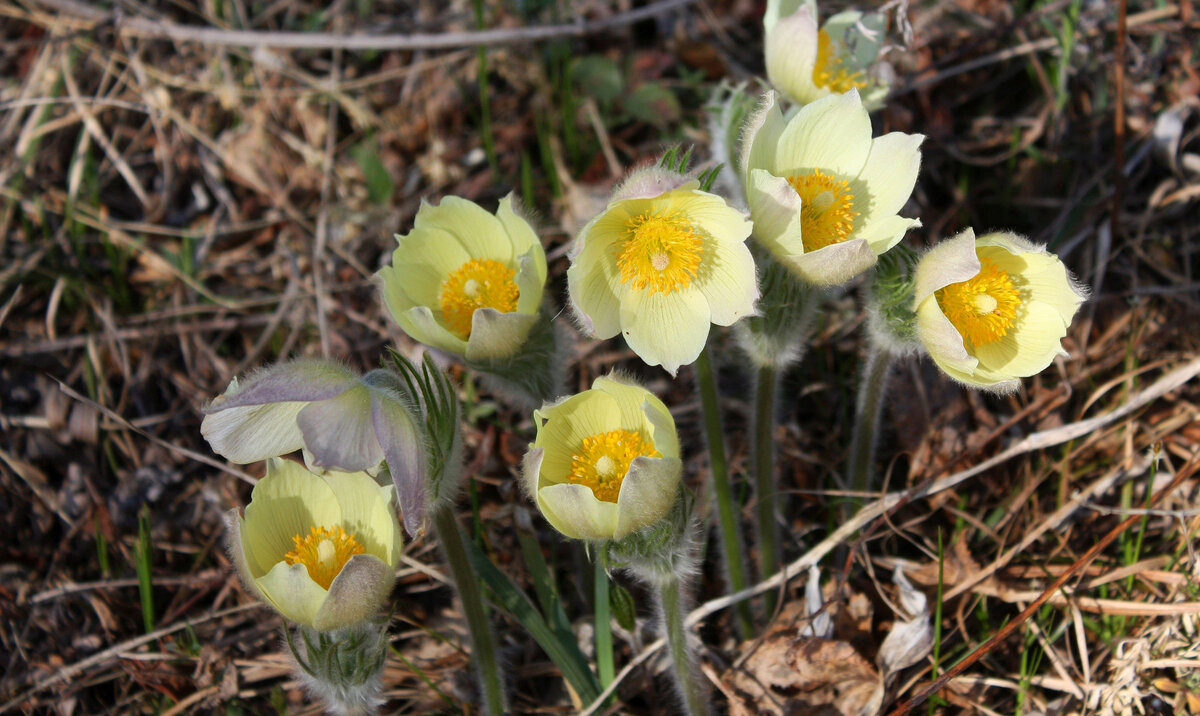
x=983, y=308
x=324, y=551
x=479, y=283
x=826, y=209
x=830, y=71
x=603, y=460
x=660, y=251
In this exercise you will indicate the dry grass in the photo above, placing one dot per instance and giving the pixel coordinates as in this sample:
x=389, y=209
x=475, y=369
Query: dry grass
x=174, y=213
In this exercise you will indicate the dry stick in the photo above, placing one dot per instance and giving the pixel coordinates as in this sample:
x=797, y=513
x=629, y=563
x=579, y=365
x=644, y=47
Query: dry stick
x=1119, y=119
x=159, y=29
x=1020, y=619
x=1036, y=441
x=67, y=672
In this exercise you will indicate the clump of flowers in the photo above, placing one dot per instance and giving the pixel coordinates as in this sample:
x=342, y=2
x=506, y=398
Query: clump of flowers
x=824, y=195
x=605, y=462
x=662, y=262
x=466, y=281
x=992, y=309
x=807, y=63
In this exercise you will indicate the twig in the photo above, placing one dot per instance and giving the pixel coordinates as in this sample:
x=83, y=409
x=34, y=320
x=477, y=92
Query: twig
x=159, y=29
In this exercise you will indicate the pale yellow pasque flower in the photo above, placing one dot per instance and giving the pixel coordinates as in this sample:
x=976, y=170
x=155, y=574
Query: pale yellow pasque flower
x=466, y=281
x=806, y=63
x=320, y=549
x=994, y=308
x=824, y=195
x=659, y=265
x=605, y=462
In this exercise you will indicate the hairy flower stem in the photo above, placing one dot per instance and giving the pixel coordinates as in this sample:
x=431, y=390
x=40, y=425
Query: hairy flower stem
x=765, y=485
x=670, y=600
x=451, y=538
x=730, y=533
x=604, y=637
x=866, y=417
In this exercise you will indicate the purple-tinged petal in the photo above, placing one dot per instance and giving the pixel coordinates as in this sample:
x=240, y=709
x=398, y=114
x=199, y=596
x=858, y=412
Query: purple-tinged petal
x=403, y=447
x=339, y=434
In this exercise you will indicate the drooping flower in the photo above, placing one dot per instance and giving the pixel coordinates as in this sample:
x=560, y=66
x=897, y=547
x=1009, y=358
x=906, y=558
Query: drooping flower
x=806, y=63
x=993, y=309
x=825, y=197
x=321, y=549
x=605, y=462
x=342, y=421
x=658, y=265
x=466, y=281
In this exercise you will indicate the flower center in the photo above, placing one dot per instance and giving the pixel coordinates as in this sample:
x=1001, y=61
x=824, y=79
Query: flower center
x=830, y=71
x=603, y=460
x=661, y=252
x=983, y=308
x=324, y=551
x=479, y=283
x=826, y=209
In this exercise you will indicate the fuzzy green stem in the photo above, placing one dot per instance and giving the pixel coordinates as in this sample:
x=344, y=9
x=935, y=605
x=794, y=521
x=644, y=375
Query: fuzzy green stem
x=604, y=638
x=866, y=417
x=731, y=540
x=671, y=603
x=465, y=578
x=765, y=485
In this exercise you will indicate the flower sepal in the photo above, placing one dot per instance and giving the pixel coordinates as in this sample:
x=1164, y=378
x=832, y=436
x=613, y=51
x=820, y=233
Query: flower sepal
x=773, y=337
x=890, y=315
x=531, y=376
x=343, y=668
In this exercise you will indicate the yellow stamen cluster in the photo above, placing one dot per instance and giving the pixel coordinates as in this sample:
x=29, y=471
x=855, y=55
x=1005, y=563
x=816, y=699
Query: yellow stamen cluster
x=983, y=308
x=830, y=71
x=661, y=252
x=603, y=459
x=479, y=283
x=826, y=209
x=324, y=551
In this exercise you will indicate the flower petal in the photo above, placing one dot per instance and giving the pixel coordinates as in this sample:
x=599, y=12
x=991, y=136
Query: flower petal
x=666, y=329
x=420, y=324
x=339, y=433
x=791, y=55
x=234, y=526
x=594, y=289
x=575, y=511
x=567, y=424
x=951, y=261
x=834, y=264
x=883, y=234
x=530, y=280
x=775, y=209
x=356, y=594
x=1028, y=349
x=366, y=512
x=287, y=503
x=402, y=441
x=480, y=234
x=728, y=281
x=761, y=135
x=942, y=340
x=524, y=239
x=251, y=433
x=666, y=439
x=832, y=134
x=887, y=178
x=647, y=493
x=496, y=335
x=289, y=589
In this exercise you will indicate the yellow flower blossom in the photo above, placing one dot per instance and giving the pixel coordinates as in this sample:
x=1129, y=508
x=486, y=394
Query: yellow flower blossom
x=824, y=195
x=466, y=281
x=320, y=549
x=993, y=309
x=806, y=63
x=658, y=267
x=605, y=462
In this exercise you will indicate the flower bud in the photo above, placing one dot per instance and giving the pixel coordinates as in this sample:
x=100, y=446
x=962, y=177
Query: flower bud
x=321, y=549
x=993, y=309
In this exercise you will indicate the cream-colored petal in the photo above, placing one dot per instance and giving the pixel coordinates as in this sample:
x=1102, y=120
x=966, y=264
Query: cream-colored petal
x=433, y=252
x=574, y=511
x=832, y=265
x=667, y=329
x=832, y=134
x=480, y=234
x=941, y=339
x=568, y=423
x=887, y=178
x=421, y=325
x=531, y=471
x=662, y=425
x=951, y=261
x=728, y=281
x=777, y=9
x=530, y=280
x=356, y=594
x=594, y=289
x=760, y=138
x=234, y=527
x=712, y=216
x=1029, y=347
x=496, y=335
x=524, y=239
x=339, y=432
x=287, y=503
x=366, y=511
x=292, y=592
x=647, y=493
x=254, y=432
x=775, y=208
x=1039, y=275
x=791, y=54
x=628, y=397
x=883, y=234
